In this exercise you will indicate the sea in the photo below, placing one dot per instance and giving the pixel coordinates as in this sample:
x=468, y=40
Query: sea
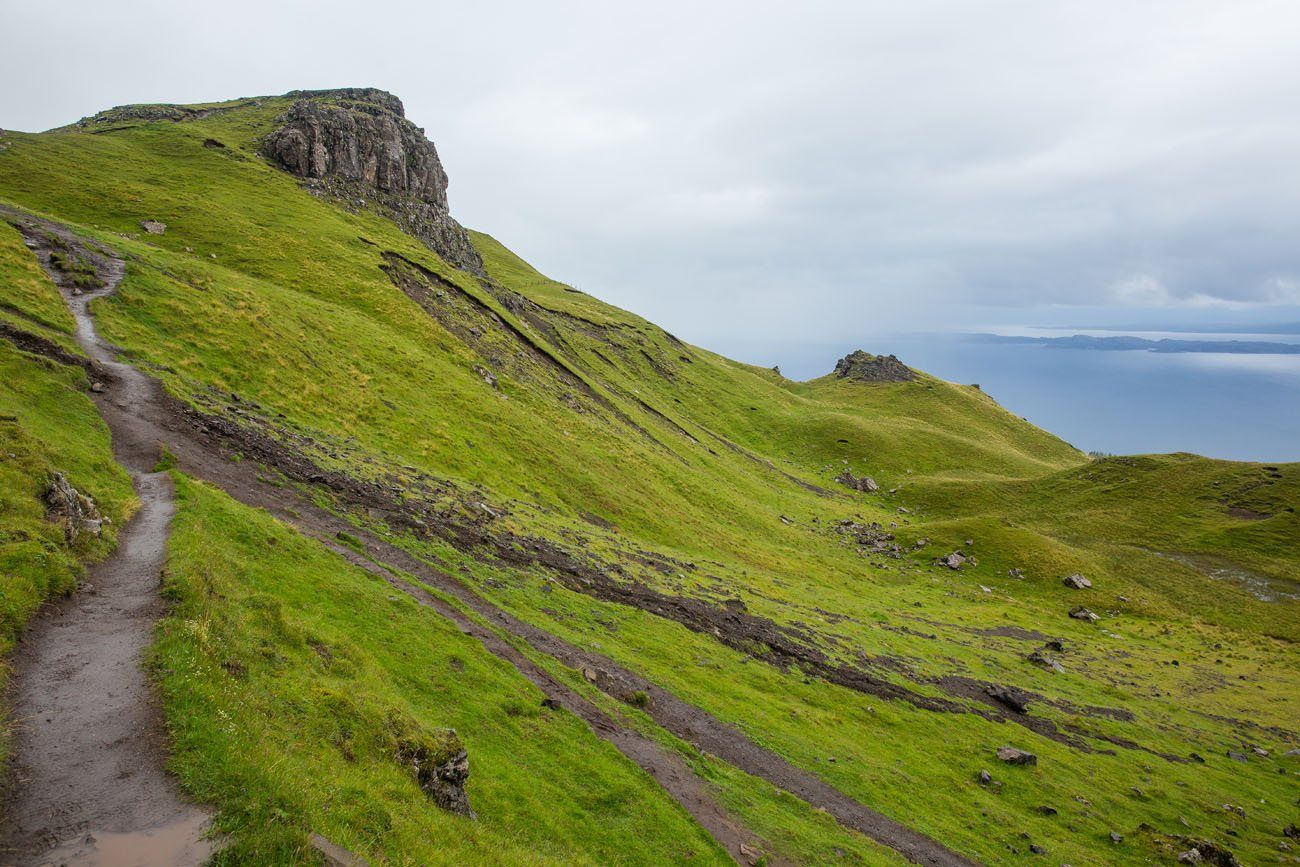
x=1218, y=404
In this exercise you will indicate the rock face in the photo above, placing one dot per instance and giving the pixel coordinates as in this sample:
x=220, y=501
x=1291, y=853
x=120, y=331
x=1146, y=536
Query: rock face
x=865, y=367
x=356, y=145
x=72, y=509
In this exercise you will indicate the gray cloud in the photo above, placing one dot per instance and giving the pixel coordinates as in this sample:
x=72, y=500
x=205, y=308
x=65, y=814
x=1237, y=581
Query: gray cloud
x=778, y=170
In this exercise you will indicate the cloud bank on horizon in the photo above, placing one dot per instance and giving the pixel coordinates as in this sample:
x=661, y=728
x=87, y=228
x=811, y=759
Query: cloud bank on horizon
x=808, y=171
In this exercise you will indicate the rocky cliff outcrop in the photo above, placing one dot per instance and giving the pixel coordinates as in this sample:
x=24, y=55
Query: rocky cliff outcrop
x=865, y=367
x=356, y=145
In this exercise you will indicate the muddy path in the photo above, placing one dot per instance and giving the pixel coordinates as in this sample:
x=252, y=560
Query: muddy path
x=138, y=407
x=88, y=784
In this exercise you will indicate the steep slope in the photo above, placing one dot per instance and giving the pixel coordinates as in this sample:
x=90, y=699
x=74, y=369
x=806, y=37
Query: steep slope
x=671, y=515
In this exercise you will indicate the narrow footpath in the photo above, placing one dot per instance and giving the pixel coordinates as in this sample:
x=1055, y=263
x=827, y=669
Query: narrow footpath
x=89, y=784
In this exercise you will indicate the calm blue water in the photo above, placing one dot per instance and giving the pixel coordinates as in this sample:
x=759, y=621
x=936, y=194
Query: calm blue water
x=1243, y=407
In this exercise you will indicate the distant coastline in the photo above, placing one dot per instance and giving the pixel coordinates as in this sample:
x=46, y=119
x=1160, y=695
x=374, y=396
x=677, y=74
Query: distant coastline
x=1127, y=343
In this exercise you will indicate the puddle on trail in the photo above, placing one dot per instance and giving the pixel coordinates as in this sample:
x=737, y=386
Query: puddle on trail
x=179, y=844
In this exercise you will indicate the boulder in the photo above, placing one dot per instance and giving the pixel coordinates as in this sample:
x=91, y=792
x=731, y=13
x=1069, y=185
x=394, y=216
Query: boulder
x=1014, y=756
x=1077, y=582
x=441, y=766
x=1010, y=697
x=73, y=510
x=153, y=227
x=955, y=560
x=1078, y=612
x=866, y=484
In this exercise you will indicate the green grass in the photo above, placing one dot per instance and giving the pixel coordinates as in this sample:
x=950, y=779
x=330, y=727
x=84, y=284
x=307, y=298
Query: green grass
x=30, y=302
x=612, y=437
x=47, y=424
x=280, y=666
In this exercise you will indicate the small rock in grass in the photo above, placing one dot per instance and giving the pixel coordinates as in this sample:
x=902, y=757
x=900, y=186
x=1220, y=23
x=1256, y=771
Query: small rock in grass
x=1042, y=659
x=1014, y=756
x=1116, y=837
x=985, y=778
x=955, y=560
x=1191, y=856
x=1077, y=582
x=153, y=227
x=1238, y=757
x=1078, y=612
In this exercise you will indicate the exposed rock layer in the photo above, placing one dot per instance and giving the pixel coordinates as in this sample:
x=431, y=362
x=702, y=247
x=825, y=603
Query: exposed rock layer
x=865, y=367
x=356, y=145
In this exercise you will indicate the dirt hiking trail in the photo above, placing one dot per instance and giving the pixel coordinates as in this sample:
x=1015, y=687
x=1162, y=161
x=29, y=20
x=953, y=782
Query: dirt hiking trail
x=88, y=785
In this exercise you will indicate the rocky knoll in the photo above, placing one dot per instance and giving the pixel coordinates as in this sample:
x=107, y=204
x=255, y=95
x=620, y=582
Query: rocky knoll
x=865, y=367
x=355, y=144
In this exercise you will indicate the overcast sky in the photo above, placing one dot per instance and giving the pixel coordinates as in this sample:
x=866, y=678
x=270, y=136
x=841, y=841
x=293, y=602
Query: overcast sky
x=756, y=172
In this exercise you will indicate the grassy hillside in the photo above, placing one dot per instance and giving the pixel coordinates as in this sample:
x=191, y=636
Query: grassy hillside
x=668, y=473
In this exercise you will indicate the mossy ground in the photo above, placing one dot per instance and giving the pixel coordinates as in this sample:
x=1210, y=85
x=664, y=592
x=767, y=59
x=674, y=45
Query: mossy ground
x=612, y=437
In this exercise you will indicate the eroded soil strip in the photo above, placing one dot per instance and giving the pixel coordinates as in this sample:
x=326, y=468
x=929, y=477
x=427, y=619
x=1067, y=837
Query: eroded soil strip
x=89, y=786
x=155, y=417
